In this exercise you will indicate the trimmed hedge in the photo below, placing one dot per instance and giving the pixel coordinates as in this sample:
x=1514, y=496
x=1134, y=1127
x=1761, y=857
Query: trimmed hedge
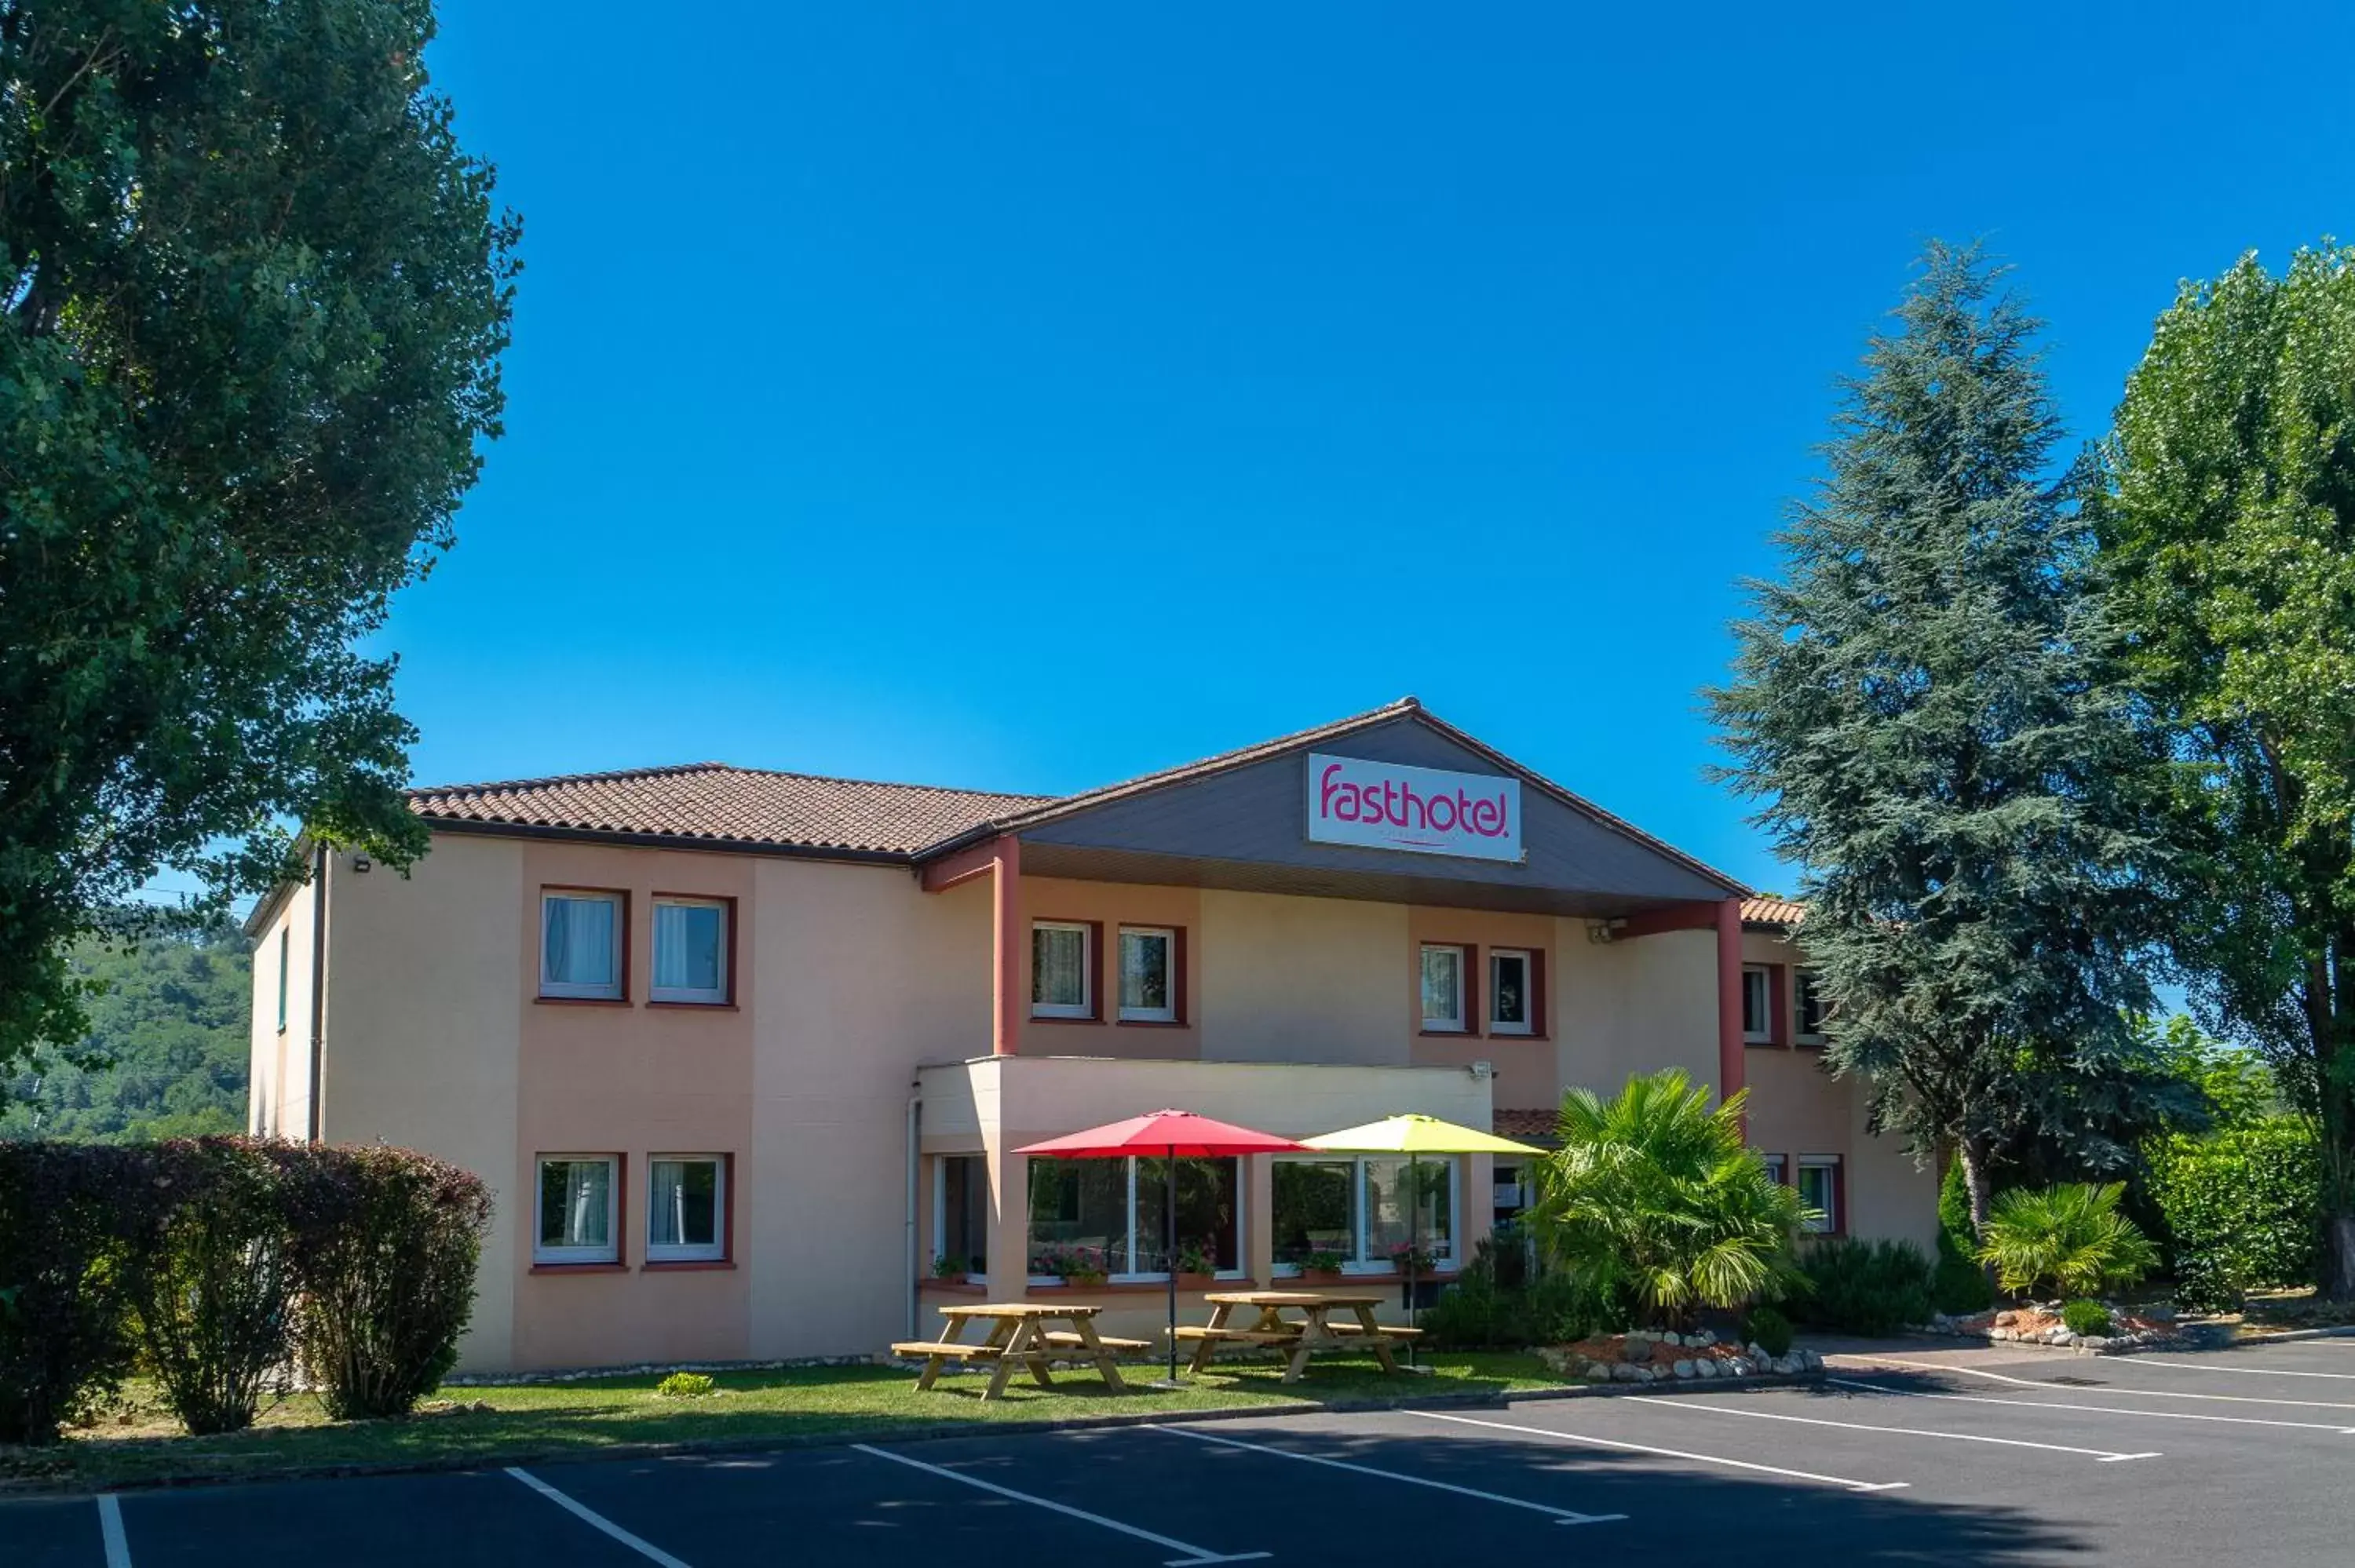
x=2244, y=1210
x=224, y=1262
x=1871, y=1287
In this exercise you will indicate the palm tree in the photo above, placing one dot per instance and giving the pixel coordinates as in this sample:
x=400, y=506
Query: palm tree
x=1654, y=1205
x=2070, y=1236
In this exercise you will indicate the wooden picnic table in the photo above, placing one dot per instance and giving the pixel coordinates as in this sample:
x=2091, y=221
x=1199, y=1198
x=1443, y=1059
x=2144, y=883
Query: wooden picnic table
x=1021, y=1335
x=1312, y=1331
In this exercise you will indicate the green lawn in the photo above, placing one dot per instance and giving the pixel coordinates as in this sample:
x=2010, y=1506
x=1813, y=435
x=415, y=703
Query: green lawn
x=567, y=1419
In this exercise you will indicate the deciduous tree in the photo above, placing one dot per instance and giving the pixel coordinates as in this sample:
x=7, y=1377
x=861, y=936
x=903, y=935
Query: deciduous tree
x=2229, y=519
x=253, y=297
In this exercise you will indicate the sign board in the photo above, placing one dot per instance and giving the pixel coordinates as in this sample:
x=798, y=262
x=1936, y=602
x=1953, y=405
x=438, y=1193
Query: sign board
x=1422, y=811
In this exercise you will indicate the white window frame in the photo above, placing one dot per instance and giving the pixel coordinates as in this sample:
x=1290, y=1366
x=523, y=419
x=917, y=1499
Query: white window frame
x=1168, y=938
x=1765, y=1033
x=1456, y=1023
x=1085, y=1007
x=1358, y=1262
x=574, y=990
x=1829, y=1225
x=714, y=996
x=716, y=1249
x=612, y=1251
x=1776, y=1167
x=1528, y=1026
x=1804, y=980
x=1127, y=1251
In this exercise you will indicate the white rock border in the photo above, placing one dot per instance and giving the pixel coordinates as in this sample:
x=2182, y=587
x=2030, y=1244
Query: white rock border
x=1670, y=1368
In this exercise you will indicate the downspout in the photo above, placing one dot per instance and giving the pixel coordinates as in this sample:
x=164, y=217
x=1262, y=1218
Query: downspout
x=915, y=1268
x=319, y=863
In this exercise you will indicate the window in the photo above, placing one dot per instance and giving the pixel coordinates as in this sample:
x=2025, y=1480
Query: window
x=1059, y=972
x=1512, y=997
x=1811, y=1008
x=1757, y=1010
x=1148, y=976
x=961, y=1211
x=1774, y=1170
x=1360, y=1208
x=577, y=1221
x=686, y=1211
x=284, y=932
x=1819, y=1189
x=690, y=950
x=1443, y=990
x=580, y=944
x=1109, y=1215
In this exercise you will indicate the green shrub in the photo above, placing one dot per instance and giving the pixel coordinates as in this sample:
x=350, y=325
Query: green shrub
x=1872, y=1287
x=683, y=1385
x=2082, y=1316
x=1496, y=1303
x=1653, y=1199
x=1770, y=1330
x=2070, y=1237
x=386, y=1243
x=213, y=1283
x=2243, y=1210
x=71, y=1215
x=1959, y=1284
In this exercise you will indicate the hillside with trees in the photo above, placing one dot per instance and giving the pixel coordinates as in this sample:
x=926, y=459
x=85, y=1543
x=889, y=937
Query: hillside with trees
x=164, y=1055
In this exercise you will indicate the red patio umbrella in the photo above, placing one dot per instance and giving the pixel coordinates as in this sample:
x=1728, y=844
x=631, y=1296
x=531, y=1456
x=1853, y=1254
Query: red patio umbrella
x=1174, y=1135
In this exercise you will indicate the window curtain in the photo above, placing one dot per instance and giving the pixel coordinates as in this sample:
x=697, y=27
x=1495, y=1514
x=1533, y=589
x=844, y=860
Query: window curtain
x=580, y=940
x=589, y=1186
x=686, y=947
x=667, y=1216
x=1442, y=984
x=1058, y=959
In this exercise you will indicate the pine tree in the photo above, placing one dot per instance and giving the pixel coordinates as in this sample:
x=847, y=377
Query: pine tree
x=1926, y=709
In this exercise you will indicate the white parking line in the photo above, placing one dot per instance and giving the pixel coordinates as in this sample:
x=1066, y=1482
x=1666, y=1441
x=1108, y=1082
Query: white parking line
x=109, y=1531
x=1194, y=1554
x=2112, y=1387
x=2248, y=1372
x=595, y=1520
x=2101, y=1456
x=1560, y=1515
x=2093, y=1409
x=1558, y=1436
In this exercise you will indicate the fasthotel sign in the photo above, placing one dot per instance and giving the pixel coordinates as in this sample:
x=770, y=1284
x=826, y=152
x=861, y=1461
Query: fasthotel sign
x=1423, y=810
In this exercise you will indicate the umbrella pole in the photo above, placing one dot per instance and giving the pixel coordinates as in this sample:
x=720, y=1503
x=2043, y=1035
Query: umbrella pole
x=1169, y=1260
x=1413, y=1241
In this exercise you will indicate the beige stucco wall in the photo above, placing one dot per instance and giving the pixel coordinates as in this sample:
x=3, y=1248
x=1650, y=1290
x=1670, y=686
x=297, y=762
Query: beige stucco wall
x=423, y=1029
x=278, y=1100
x=1636, y=1006
x=863, y=977
x=1303, y=980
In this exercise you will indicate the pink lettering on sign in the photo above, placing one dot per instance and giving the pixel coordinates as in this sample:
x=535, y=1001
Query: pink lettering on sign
x=1420, y=810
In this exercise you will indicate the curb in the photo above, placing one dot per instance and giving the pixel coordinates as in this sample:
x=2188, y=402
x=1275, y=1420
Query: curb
x=71, y=1486
x=2341, y=1331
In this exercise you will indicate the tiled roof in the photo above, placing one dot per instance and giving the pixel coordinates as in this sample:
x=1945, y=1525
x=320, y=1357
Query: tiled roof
x=715, y=803
x=1771, y=912
x=1526, y=1125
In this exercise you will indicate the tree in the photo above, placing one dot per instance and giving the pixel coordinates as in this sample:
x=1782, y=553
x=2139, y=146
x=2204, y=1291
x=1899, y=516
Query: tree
x=1927, y=707
x=164, y=1056
x=1652, y=1201
x=2229, y=518
x=253, y=297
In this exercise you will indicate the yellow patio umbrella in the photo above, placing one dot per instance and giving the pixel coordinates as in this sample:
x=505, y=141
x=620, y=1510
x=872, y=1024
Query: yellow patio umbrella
x=1414, y=1136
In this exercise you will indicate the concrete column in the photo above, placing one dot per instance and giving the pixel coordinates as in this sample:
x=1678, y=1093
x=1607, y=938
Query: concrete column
x=1008, y=931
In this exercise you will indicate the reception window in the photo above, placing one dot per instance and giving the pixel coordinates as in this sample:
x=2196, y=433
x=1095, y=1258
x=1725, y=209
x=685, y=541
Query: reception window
x=1109, y=1217
x=1360, y=1211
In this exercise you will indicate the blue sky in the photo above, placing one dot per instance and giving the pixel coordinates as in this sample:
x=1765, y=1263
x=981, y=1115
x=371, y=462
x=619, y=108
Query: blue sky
x=1026, y=396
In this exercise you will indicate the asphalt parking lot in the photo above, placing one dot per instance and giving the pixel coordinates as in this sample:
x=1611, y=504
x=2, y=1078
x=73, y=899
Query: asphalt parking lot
x=1910, y=1453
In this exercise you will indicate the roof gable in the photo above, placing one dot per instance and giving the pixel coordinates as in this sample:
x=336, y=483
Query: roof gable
x=1249, y=808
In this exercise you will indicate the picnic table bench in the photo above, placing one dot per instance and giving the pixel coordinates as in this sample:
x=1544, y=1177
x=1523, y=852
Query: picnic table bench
x=1312, y=1331
x=1019, y=1337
